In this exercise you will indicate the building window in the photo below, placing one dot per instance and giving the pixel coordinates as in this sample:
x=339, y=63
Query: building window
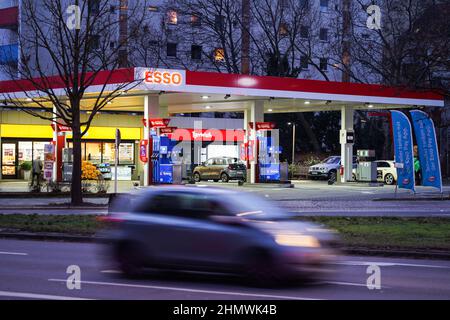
x=94, y=6
x=283, y=30
x=304, y=32
x=324, y=4
x=323, y=34
x=219, y=55
x=172, y=17
x=304, y=62
x=196, y=20
x=153, y=9
x=219, y=22
x=171, y=49
x=196, y=52
x=323, y=64
x=95, y=42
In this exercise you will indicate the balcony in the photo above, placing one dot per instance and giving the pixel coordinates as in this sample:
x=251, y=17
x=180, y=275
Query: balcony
x=9, y=17
x=9, y=54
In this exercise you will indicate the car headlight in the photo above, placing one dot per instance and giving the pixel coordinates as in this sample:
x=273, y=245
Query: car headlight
x=295, y=240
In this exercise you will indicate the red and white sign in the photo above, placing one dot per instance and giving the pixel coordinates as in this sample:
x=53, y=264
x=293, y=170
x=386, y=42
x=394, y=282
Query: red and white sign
x=143, y=154
x=263, y=125
x=156, y=123
x=169, y=78
x=208, y=135
x=61, y=128
x=167, y=130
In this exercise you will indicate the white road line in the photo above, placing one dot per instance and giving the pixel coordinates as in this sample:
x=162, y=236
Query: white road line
x=37, y=296
x=13, y=253
x=389, y=264
x=347, y=284
x=243, y=294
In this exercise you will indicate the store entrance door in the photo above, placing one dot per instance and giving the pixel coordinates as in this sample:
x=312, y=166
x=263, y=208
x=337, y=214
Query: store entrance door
x=9, y=160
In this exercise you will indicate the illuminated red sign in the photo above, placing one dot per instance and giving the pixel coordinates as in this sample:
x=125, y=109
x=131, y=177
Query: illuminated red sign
x=263, y=125
x=167, y=130
x=163, y=77
x=61, y=128
x=143, y=155
x=208, y=135
x=156, y=123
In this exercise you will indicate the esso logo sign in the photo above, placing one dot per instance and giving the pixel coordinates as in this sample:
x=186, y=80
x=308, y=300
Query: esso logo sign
x=164, y=77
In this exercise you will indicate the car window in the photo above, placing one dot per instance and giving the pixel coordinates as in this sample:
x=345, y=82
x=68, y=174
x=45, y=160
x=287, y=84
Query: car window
x=382, y=164
x=188, y=205
x=210, y=162
x=332, y=160
x=219, y=162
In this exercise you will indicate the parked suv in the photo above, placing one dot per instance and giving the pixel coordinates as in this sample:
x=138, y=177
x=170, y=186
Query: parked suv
x=328, y=167
x=224, y=169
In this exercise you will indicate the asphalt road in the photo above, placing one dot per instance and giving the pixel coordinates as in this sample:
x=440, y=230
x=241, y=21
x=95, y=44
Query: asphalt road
x=37, y=270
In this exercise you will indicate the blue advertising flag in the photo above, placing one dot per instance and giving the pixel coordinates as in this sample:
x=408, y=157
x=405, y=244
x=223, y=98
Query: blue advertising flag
x=403, y=145
x=428, y=153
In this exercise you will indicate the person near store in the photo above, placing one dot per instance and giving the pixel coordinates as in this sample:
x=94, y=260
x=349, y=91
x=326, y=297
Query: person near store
x=417, y=170
x=36, y=171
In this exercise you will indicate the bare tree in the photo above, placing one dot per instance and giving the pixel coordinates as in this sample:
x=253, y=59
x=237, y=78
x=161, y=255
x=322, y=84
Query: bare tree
x=73, y=56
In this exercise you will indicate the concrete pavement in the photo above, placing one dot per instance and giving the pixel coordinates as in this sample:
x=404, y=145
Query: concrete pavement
x=37, y=270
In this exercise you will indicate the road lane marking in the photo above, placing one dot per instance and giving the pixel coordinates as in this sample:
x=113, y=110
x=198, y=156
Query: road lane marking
x=340, y=283
x=13, y=253
x=243, y=294
x=389, y=264
x=36, y=296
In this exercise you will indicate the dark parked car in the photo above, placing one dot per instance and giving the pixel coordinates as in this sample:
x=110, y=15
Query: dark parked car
x=214, y=230
x=223, y=169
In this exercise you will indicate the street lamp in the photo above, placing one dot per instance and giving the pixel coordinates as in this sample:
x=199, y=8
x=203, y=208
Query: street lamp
x=294, y=125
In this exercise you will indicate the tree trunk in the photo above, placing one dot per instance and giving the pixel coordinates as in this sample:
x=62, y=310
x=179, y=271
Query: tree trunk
x=309, y=132
x=76, y=191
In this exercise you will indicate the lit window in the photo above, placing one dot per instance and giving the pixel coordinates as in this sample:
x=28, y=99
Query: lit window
x=219, y=55
x=153, y=9
x=172, y=17
x=283, y=30
x=196, y=20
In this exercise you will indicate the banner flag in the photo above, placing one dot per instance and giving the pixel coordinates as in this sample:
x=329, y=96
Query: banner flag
x=403, y=145
x=428, y=153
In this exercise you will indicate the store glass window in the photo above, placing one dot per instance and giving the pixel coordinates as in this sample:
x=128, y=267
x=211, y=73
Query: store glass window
x=109, y=152
x=25, y=151
x=94, y=152
x=126, y=153
x=38, y=149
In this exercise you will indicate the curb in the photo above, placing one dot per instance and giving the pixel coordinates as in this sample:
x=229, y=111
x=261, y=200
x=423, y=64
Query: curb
x=446, y=198
x=346, y=250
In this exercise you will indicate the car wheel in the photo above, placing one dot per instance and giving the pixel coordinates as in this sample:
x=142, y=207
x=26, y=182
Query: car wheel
x=197, y=177
x=224, y=177
x=129, y=260
x=389, y=179
x=332, y=175
x=353, y=177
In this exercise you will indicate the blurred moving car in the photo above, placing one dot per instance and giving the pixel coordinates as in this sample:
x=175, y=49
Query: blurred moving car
x=327, y=168
x=386, y=171
x=223, y=169
x=213, y=230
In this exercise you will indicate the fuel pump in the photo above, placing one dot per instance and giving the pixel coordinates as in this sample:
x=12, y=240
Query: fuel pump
x=268, y=160
x=166, y=169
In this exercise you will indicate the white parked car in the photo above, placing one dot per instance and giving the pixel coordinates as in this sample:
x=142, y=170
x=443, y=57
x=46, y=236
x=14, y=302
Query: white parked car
x=386, y=171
